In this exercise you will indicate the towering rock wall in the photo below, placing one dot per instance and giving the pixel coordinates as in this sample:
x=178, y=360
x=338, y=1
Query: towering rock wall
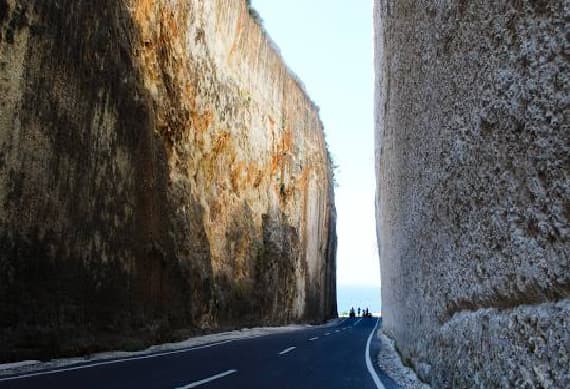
x=160, y=169
x=473, y=196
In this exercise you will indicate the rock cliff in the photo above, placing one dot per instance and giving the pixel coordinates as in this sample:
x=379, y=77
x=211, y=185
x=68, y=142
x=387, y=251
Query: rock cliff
x=161, y=172
x=473, y=188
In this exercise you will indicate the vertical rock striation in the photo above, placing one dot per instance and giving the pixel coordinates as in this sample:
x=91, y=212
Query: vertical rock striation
x=160, y=169
x=473, y=195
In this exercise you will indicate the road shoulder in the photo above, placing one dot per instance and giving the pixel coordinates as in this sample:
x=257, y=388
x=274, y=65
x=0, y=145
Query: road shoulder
x=389, y=361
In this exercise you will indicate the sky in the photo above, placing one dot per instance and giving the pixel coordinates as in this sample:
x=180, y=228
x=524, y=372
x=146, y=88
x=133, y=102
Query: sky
x=329, y=45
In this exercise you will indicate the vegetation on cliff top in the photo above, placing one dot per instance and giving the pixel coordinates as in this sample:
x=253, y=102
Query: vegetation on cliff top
x=253, y=13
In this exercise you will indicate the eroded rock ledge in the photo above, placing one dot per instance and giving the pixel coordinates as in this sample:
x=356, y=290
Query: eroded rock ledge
x=160, y=170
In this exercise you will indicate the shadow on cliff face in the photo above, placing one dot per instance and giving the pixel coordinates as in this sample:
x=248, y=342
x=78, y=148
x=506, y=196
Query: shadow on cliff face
x=266, y=291
x=275, y=270
x=88, y=259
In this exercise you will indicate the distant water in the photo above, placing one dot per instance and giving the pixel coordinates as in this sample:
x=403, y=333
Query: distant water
x=358, y=296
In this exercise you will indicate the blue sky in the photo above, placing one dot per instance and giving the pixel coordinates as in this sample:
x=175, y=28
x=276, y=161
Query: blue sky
x=329, y=45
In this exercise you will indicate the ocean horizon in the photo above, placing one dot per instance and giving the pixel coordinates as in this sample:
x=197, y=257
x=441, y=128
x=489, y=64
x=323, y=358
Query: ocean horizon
x=362, y=297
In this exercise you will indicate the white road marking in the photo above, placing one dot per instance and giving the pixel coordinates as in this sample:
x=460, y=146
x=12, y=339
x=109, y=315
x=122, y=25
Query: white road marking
x=287, y=350
x=369, y=365
x=327, y=334
x=209, y=379
x=358, y=321
x=91, y=365
x=337, y=331
x=315, y=338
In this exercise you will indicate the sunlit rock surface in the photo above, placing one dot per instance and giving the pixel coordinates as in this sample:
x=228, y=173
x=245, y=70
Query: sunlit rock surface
x=160, y=170
x=473, y=196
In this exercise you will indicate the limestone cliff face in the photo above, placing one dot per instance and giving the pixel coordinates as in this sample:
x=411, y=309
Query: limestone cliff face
x=473, y=196
x=160, y=169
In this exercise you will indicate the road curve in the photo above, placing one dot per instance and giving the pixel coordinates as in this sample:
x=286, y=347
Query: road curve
x=321, y=357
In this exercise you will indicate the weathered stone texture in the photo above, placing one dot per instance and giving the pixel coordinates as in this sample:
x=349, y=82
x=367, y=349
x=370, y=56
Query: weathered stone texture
x=160, y=169
x=473, y=195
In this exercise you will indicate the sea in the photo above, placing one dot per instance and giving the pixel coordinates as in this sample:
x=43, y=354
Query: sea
x=362, y=297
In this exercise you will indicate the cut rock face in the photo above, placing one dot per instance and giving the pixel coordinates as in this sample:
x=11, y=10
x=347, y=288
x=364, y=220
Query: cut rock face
x=473, y=191
x=162, y=172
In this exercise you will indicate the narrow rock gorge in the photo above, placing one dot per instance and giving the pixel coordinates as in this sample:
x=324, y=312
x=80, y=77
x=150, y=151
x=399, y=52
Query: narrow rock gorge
x=162, y=173
x=473, y=189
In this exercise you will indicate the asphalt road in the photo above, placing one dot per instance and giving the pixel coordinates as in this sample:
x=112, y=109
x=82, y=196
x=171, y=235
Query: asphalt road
x=323, y=357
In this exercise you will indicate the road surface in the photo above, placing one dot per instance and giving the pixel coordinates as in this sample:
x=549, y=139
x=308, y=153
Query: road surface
x=322, y=357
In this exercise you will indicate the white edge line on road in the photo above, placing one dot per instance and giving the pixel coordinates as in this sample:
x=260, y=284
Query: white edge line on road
x=209, y=379
x=369, y=365
x=287, y=350
x=125, y=360
x=358, y=321
x=315, y=338
x=327, y=334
